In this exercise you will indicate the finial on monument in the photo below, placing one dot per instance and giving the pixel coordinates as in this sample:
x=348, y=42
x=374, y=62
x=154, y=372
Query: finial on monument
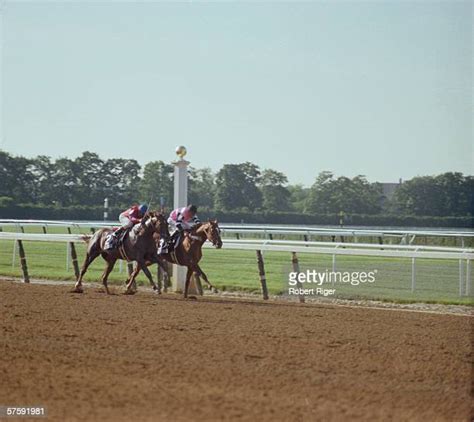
x=181, y=152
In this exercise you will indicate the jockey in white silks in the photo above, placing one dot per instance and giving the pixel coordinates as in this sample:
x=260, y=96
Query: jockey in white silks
x=180, y=219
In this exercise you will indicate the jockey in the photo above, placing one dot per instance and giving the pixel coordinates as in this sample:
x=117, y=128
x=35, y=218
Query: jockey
x=180, y=219
x=127, y=219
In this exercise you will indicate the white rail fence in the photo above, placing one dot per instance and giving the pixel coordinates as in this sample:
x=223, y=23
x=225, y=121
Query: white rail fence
x=268, y=231
x=464, y=256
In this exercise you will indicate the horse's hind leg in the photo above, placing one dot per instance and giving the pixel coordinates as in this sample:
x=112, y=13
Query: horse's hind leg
x=91, y=255
x=204, y=276
x=105, y=276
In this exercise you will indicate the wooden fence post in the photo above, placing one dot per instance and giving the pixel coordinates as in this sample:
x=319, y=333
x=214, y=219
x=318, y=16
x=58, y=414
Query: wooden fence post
x=261, y=271
x=296, y=269
x=24, y=267
x=72, y=248
x=44, y=230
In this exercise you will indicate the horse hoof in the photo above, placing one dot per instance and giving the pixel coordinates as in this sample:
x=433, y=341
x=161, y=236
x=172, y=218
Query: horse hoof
x=77, y=290
x=129, y=292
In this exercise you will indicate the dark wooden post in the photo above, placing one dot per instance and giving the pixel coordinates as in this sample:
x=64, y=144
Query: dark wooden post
x=92, y=230
x=44, y=230
x=24, y=267
x=261, y=271
x=296, y=269
x=22, y=229
x=270, y=236
x=237, y=236
x=333, y=238
x=72, y=248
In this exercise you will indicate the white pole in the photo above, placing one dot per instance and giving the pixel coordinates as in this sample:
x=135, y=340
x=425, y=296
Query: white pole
x=413, y=274
x=106, y=209
x=468, y=277
x=180, y=200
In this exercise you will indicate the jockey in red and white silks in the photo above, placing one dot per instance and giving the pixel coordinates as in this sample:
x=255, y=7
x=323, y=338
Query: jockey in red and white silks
x=180, y=219
x=132, y=216
x=184, y=218
x=127, y=219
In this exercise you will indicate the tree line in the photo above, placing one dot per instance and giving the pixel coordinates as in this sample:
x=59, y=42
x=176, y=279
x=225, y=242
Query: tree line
x=88, y=179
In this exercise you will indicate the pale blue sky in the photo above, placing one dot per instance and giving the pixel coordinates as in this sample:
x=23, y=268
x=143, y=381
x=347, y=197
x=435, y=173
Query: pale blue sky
x=376, y=88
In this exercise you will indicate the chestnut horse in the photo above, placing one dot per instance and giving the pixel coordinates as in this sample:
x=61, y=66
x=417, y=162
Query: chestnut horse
x=139, y=245
x=189, y=251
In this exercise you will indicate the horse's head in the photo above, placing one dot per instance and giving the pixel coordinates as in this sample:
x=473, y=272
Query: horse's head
x=159, y=224
x=213, y=233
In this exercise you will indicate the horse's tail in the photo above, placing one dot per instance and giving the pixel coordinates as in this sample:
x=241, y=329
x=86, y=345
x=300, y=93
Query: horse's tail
x=93, y=241
x=86, y=238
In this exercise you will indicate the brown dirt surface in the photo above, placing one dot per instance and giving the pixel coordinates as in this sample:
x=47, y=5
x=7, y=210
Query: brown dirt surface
x=94, y=357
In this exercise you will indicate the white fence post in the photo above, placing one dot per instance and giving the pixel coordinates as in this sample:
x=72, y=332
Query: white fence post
x=180, y=200
x=14, y=255
x=461, y=277
x=413, y=274
x=468, y=277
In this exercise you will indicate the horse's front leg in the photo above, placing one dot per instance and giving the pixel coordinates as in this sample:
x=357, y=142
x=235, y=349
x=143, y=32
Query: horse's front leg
x=131, y=282
x=142, y=264
x=189, y=273
x=166, y=276
x=204, y=276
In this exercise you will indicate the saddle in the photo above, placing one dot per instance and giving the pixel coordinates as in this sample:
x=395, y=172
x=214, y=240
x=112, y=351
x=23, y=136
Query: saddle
x=115, y=241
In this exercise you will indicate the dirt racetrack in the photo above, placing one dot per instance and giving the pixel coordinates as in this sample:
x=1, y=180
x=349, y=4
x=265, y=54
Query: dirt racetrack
x=94, y=357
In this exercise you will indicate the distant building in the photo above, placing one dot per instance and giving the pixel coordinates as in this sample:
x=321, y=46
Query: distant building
x=388, y=190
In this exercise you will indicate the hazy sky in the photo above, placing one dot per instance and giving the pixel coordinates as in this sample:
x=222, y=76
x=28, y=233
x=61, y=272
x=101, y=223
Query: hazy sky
x=377, y=88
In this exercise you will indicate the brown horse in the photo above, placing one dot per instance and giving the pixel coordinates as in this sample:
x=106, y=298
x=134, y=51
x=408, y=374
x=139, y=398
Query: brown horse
x=189, y=251
x=139, y=246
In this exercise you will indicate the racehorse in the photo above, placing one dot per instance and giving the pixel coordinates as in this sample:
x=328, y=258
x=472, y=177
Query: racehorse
x=189, y=252
x=139, y=245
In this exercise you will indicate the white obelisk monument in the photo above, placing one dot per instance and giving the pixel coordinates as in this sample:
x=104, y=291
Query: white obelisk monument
x=180, y=200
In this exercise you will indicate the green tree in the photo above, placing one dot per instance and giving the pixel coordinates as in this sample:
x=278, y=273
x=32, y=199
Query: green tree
x=298, y=197
x=16, y=178
x=122, y=181
x=157, y=182
x=356, y=195
x=276, y=196
x=66, y=178
x=448, y=194
x=201, y=187
x=236, y=187
x=91, y=175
